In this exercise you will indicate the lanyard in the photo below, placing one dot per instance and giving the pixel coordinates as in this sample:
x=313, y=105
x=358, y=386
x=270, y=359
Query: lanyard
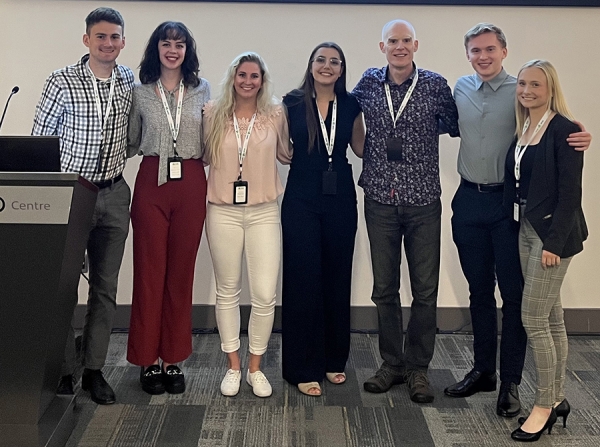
x=520, y=150
x=173, y=126
x=242, y=149
x=404, y=101
x=329, y=141
x=111, y=93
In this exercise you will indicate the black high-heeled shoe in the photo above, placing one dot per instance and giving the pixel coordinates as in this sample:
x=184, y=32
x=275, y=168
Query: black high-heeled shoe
x=523, y=436
x=563, y=409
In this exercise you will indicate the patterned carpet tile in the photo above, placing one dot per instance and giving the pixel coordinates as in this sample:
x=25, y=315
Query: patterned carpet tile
x=345, y=415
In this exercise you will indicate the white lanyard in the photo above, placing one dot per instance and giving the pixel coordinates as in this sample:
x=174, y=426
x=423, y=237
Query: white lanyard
x=97, y=98
x=520, y=150
x=173, y=126
x=329, y=140
x=404, y=101
x=242, y=149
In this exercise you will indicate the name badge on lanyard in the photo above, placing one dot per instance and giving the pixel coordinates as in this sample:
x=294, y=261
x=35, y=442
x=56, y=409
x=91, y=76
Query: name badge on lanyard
x=174, y=163
x=103, y=118
x=240, y=187
x=519, y=152
x=329, y=176
x=393, y=145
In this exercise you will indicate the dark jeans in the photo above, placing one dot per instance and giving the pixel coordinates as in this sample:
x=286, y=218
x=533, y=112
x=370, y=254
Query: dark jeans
x=487, y=243
x=387, y=225
x=106, y=243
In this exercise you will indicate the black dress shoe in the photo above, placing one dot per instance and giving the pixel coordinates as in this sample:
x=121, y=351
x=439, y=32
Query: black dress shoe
x=523, y=436
x=508, y=404
x=99, y=389
x=174, y=380
x=151, y=379
x=474, y=382
x=65, y=385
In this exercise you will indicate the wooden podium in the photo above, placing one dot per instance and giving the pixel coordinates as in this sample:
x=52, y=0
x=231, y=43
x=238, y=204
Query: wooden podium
x=44, y=223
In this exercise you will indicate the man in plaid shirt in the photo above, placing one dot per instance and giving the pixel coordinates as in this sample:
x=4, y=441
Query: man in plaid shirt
x=87, y=106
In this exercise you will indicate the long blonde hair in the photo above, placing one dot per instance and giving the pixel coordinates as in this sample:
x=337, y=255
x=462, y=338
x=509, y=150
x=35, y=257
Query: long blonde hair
x=556, y=102
x=224, y=106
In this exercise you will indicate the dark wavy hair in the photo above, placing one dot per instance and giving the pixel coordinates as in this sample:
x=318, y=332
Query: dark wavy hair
x=150, y=65
x=104, y=14
x=308, y=89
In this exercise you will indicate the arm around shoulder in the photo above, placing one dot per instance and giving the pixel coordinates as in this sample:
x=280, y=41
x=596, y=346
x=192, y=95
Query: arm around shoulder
x=134, y=127
x=284, y=145
x=357, y=142
x=581, y=139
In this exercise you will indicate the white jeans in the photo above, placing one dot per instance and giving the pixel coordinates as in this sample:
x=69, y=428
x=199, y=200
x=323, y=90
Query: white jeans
x=255, y=231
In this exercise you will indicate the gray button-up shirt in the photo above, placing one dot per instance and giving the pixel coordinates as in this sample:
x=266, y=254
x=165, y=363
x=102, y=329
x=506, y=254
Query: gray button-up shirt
x=486, y=119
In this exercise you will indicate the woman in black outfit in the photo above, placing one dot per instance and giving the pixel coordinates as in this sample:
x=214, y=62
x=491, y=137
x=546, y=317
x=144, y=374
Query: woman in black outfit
x=319, y=219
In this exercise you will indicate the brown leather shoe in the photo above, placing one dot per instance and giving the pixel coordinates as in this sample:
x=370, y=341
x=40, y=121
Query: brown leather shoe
x=383, y=380
x=419, y=389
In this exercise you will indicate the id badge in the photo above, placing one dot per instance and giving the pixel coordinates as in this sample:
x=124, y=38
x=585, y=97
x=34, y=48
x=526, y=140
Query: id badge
x=175, y=168
x=240, y=192
x=393, y=148
x=516, y=212
x=329, y=183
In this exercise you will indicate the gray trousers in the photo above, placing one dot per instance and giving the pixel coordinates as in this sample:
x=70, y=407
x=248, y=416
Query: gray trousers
x=542, y=316
x=106, y=243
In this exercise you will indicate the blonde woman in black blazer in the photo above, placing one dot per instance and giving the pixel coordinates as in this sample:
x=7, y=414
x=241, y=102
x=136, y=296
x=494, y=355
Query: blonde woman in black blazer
x=543, y=192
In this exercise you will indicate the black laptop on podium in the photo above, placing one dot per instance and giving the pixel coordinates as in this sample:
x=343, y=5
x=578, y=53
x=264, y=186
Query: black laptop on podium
x=29, y=154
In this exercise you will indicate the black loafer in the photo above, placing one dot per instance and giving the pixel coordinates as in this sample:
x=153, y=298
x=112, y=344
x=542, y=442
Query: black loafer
x=65, y=385
x=508, y=404
x=174, y=380
x=474, y=382
x=151, y=379
x=100, y=391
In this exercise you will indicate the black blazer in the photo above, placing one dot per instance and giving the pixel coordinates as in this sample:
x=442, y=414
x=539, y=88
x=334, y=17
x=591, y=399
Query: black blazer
x=554, y=197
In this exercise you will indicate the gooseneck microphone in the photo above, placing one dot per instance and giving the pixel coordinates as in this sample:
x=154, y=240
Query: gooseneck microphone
x=14, y=91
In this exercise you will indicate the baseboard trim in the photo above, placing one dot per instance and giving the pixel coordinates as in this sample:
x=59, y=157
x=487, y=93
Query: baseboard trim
x=363, y=318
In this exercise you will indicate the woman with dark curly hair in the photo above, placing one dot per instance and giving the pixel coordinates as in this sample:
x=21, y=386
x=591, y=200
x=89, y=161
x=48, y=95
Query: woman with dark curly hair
x=168, y=207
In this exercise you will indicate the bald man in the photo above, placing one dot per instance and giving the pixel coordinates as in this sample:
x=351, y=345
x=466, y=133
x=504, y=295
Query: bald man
x=402, y=106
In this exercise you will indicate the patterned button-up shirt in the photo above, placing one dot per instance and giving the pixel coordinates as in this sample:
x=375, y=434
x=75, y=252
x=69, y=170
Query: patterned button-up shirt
x=415, y=180
x=67, y=108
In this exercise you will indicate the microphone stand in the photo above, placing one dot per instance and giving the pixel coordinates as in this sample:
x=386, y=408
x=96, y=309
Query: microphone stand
x=13, y=92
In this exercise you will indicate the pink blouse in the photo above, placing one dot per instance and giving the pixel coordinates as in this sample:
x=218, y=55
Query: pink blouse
x=269, y=141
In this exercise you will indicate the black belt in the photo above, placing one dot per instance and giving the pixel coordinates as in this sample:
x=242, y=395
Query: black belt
x=483, y=187
x=109, y=183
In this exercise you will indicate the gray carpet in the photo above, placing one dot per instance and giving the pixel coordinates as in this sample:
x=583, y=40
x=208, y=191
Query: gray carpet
x=344, y=416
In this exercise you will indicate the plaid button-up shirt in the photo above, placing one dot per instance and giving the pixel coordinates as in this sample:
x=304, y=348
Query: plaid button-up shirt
x=67, y=108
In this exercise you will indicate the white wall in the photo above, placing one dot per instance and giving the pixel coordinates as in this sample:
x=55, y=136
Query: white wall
x=39, y=36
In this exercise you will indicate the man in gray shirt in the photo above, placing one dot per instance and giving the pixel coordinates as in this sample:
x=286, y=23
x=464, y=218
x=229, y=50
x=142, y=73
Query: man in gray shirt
x=485, y=236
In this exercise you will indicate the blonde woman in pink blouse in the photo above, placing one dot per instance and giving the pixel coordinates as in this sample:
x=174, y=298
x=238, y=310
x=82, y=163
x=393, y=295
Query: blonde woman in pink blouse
x=246, y=131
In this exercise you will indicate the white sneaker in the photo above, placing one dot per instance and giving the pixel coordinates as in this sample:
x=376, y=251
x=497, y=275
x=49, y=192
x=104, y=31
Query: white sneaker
x=230, y=385
x=259, y=383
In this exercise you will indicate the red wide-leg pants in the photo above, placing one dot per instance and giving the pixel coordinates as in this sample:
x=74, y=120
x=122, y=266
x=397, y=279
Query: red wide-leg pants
x=167, y=226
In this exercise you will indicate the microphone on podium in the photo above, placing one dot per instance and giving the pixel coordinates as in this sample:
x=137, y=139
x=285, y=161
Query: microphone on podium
x=14, y=91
